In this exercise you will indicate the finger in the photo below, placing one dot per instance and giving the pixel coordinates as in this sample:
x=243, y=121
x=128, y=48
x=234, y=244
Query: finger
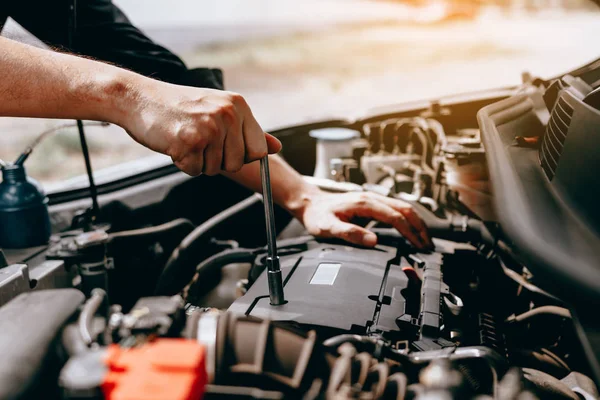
x=352, y=233
x=411, y=216
x=254, y=139
x=415, y=221
x=273, y=144
x=379, y=210
x=192, y=164
x=213, y=153
x=234, y=151
x=213, y=156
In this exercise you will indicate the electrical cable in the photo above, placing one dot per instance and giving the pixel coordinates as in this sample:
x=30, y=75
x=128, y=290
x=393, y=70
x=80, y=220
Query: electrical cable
x=29, y=149
x=543, y=310
x=71, y=32
x=153, y=230
x=89, y=171
x=519, y=279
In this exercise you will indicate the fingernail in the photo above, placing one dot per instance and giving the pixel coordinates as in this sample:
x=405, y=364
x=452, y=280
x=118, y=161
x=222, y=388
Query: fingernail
x=370, y=239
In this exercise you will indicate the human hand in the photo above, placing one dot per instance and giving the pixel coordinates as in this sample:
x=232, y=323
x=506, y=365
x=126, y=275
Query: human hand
x=328, y=215
x=202, y=130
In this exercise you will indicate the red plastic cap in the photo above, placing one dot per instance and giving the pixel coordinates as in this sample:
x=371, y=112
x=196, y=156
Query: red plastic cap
x=166, y=369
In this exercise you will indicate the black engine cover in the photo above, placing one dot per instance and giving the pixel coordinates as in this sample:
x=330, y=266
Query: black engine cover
x=333, y=285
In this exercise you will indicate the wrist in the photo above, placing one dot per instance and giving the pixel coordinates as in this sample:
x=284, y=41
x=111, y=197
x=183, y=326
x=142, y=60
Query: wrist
x=114, y=96
x=127, y=92
x=299, y=199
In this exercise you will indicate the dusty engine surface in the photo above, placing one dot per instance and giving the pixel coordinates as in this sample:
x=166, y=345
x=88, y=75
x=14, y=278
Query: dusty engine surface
x=176, y=311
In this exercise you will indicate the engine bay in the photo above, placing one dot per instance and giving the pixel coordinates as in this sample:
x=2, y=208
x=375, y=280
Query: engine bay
x=148, y=304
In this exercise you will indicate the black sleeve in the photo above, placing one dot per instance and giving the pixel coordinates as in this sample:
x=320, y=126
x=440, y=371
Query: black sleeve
x=103, y=32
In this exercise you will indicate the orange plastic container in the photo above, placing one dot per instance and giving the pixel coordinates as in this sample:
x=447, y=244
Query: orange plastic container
x=166, y=369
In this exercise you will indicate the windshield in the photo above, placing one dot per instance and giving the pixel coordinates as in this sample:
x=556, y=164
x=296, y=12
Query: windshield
x=296, y=61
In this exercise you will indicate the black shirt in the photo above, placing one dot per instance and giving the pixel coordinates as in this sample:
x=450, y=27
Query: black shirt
x=102, y=31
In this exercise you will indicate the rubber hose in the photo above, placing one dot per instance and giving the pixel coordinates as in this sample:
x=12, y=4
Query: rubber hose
x=547, y=310
x=208, y=266
x=336, y=341
x=153, y=230
x=87, y=315
x=72, y=340
x=494, y=359
x=222, y=259
x=182, y=261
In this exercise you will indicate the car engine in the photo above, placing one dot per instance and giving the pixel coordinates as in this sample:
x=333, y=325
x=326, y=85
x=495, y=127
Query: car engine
x=179, y=311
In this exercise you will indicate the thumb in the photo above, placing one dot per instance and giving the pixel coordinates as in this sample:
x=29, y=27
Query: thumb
x=273, y=144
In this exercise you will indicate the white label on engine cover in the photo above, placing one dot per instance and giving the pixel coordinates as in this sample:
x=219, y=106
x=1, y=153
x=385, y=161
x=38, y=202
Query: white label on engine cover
x=325, y=274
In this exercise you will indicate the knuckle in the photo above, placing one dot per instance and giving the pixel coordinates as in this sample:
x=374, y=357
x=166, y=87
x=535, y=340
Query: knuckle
x=210, y=126
x=200, y=142
x=397, y=218
x=228, y=109
x=236, y=98
x=191, y=138
x=226, y=112
x=406, y=209
x=362, y=202
x=350, y=232
x=363, y=197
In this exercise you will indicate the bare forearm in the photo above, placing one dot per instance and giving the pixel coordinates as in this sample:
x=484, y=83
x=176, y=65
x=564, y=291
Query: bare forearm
x=41, y=83
x=289, y=188
x=202, y=130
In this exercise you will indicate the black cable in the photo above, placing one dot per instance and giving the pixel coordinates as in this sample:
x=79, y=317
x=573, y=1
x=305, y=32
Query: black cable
x=176, y=283
x=183, y=258
x=88, y=168
x=84, y=147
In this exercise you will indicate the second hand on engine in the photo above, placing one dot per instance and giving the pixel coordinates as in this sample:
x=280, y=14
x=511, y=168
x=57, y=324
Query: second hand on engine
x=274, y=276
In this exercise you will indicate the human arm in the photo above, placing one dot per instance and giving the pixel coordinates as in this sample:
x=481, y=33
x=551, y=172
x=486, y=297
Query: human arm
x=329, y=215
x=203, y=130
x=103, y=32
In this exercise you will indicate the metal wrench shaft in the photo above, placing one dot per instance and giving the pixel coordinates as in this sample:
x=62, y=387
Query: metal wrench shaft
x=274, y=276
